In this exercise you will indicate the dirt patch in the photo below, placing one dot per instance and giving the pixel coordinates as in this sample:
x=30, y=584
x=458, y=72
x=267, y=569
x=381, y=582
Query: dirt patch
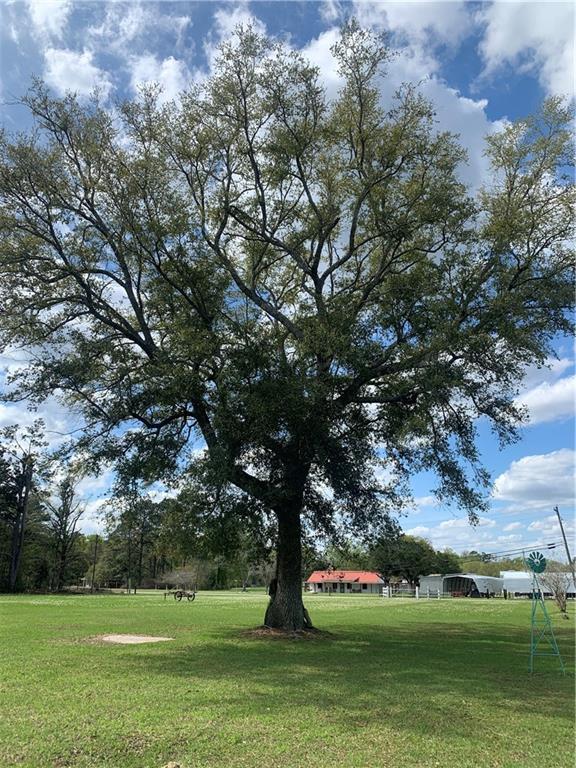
x=267, y=633
x=132, y=639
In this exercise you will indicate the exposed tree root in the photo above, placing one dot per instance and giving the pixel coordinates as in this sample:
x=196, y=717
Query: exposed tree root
x=271, y=633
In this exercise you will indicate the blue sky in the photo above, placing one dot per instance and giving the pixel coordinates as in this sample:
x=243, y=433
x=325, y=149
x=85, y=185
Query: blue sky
x=481, y=64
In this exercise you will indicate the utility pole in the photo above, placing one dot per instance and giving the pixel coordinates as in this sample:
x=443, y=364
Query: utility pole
x=570, y=561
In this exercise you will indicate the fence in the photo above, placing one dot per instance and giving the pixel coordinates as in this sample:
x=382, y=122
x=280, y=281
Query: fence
x=400, y=590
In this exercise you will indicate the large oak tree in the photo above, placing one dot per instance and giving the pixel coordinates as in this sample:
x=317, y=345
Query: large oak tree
x=304, y=285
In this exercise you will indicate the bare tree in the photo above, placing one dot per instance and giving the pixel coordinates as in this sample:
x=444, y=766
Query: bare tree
x=63, y=516
x=557, y=580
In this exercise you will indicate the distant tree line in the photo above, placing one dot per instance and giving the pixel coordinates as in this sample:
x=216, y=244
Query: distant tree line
x=145, y=543
x=186, y=540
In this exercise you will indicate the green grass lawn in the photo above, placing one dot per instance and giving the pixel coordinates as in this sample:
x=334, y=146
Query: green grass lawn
x=398, y=683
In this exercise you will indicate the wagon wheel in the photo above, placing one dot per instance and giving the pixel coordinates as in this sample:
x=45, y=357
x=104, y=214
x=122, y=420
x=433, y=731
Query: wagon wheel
x=191, y=596
x=178, y=595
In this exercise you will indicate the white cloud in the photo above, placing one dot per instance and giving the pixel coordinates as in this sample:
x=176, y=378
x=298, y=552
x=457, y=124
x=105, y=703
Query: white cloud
x=538, y=481
x=491, y=534
x=467, y=118
x=171, y=74
x=550, y=527
x=512, y=527
x=95, y=490
x=547, y=373
x=125, y=25
x=331, y=11
x=460, y=536
x=512, y=538
x=58, y=420
x=226, y=19
x=14, y=34
x=318, y=53
x=424, y=21
x=73, y=71
x=15, y=414
x=531, y=36
x=160, y=492
x=121, y=25
x=426, y=501
x=11, y=360
x=550, y=402
x=48, y=17
x=464, y=523
x=419, y=530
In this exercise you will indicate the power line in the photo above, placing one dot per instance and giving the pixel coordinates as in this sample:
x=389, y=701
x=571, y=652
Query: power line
x=401, y=563
x=517, y=551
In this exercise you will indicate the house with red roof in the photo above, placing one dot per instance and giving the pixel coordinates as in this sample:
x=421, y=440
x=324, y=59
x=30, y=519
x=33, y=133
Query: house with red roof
x=345, y=582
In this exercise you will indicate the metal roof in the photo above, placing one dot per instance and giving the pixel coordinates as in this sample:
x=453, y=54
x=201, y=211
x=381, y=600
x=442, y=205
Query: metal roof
x=335, y=576
x=460, y=576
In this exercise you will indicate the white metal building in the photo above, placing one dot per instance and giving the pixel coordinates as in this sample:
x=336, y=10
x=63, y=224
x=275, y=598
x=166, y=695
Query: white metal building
x=461, y=584
x=520, y=583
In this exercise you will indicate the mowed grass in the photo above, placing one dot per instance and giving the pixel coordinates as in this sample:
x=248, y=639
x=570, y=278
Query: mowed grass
x=397, y=683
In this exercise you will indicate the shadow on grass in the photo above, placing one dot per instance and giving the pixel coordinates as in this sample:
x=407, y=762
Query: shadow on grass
x=417, y=679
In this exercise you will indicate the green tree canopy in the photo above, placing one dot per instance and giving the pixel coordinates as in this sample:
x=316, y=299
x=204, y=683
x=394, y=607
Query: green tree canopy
x=406, y=557
x=447, y=561
x=304, y=286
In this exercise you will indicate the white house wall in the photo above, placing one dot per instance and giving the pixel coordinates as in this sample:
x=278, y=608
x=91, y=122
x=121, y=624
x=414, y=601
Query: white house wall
x=349, y=588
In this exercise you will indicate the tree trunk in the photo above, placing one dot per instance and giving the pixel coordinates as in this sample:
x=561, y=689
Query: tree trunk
x=140, y=555
x=286, y=609
x=129, y=585
x=16, y=550
x=94, y=563
x=61, y=569
x=66, y=548
x=20, y=522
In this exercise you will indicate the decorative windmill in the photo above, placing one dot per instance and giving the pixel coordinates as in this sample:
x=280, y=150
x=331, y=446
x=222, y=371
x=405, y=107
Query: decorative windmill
x=541, y=627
